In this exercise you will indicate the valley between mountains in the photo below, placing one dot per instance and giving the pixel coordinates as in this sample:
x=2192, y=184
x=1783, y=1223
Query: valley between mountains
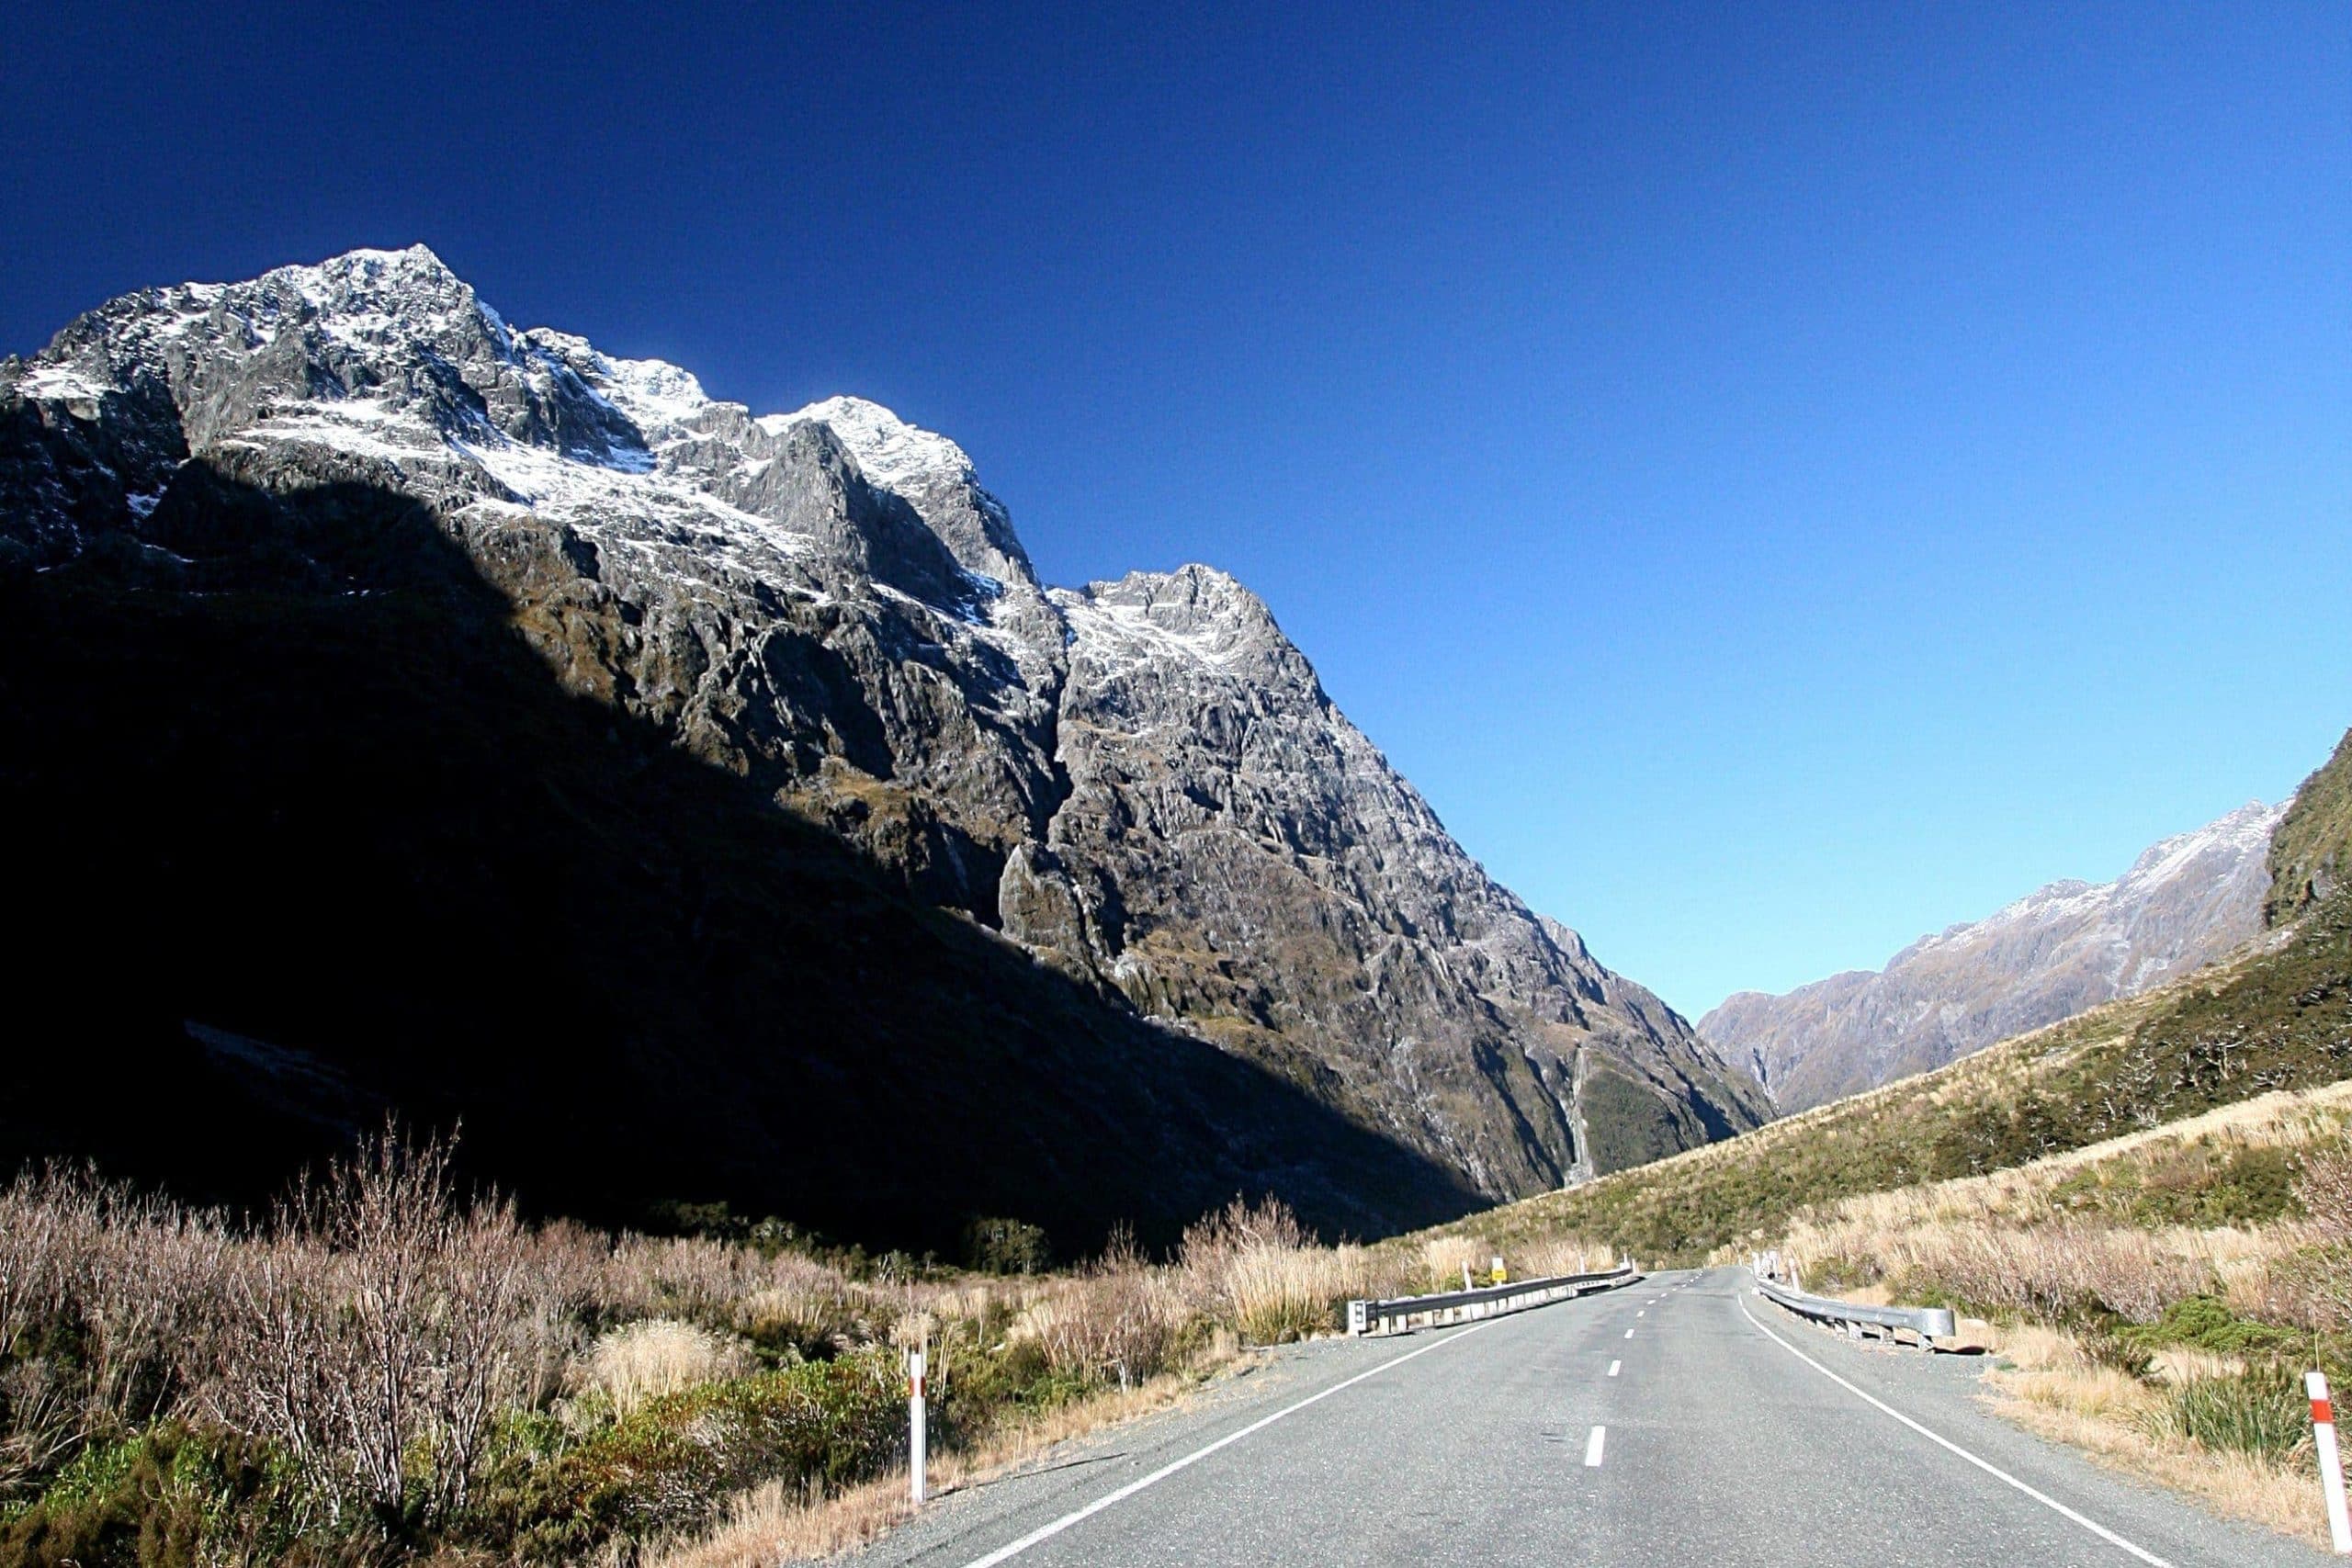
x=415, y=725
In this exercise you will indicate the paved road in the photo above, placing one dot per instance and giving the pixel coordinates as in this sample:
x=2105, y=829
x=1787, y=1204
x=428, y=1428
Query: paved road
x=1675, y=1421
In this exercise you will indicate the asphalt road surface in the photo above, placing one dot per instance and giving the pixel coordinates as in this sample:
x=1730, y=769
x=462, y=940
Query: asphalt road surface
x=1680, y=1420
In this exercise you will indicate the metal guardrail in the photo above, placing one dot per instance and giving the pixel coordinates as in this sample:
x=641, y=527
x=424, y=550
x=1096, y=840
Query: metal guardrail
x=1930, y=1323
x=1490, y=1301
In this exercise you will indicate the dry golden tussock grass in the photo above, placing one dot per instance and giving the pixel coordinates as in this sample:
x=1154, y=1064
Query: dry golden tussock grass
x=2020, y=1243
x=1444, y=1258
x=2054, y=1388
x=646, y=1359
x=1556, y=1255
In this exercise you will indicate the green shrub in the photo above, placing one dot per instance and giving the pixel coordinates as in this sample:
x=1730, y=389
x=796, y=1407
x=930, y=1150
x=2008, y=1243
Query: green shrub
x=671, y=1464
x=997, y=1245
x=2205, y=1323
x=164, y=1498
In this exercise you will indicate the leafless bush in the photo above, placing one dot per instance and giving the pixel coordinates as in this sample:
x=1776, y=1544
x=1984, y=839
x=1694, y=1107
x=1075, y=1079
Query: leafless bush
x=790, y=1299
x=2311, y=1286
x=1121, y=1317
x=2324, y=1186
x=128, y=1281
x=378, y=1318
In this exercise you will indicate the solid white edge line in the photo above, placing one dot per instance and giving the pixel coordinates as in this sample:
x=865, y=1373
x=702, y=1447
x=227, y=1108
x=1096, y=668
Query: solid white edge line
x=1048, y=1531
x=1987, y=1466
x=1592, y=1448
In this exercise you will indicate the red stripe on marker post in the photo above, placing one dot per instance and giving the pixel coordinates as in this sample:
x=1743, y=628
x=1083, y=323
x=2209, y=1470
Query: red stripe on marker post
x=2331, y=1467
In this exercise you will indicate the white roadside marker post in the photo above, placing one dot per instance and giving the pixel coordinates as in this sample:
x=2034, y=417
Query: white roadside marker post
x=2331, y=1465
x=915, y=1435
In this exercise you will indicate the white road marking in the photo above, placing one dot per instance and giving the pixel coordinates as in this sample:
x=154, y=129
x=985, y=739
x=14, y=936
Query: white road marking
x=1629, y=1333
x=1614, y=1366
x=1987, y=1466
x=1641, y=1312
x=1592, y=1448
x=1048, y=1531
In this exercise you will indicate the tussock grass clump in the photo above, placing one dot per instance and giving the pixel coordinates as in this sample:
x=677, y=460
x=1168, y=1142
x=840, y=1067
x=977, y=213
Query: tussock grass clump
x=1444, y=1259
x=643, y=1360
x=1256, y=1267
x=1552, y=1256
x=2260, y=1411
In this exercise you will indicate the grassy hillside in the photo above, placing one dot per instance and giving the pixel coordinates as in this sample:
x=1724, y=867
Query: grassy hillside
x=2277, y=1017
x=2154, y=1299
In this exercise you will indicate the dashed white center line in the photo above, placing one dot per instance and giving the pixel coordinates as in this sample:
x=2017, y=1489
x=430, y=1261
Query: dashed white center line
x=1592, y=1448
x=1614, y=1366
x=1641, y=1312
x=1629, y=1333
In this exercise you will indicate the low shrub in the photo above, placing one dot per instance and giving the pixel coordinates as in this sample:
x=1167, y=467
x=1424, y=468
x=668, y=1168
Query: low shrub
x=165, y=1498
x=671, y=1464
x=2261, y=1411
x=2206, y=1323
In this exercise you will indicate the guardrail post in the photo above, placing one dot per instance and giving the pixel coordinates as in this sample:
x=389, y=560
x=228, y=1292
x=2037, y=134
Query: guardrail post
x=2331, y=1464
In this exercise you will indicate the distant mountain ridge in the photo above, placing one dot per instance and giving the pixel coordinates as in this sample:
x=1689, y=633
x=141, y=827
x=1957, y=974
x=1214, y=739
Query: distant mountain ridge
x=1137, y=790
x=2059, y=951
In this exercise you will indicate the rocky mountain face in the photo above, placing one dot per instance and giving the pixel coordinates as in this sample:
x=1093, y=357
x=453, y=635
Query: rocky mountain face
x=1137, y=793
x=2059, y=951
x=2311, y=852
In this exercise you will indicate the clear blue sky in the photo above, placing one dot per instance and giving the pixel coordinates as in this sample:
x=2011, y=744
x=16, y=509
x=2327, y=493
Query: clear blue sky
x=1779, y=483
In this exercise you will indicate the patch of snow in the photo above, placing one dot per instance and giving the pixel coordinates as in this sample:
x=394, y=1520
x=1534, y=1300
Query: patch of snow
x=890, y=452
x=62, y=384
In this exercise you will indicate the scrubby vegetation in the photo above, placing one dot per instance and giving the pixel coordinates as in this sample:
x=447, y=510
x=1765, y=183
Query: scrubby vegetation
x=2278, y=1017
x=2155, y=1298
x=382, y=1370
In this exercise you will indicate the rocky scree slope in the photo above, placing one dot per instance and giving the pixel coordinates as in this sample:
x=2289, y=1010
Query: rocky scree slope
x=1139, y=785
x=2056, y=953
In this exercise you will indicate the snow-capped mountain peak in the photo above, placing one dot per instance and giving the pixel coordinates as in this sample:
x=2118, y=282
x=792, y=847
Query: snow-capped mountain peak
x=932, y=473
x=1141, y=783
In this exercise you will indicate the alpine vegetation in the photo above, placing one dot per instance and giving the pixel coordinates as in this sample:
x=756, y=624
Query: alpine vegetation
x=382, y=1368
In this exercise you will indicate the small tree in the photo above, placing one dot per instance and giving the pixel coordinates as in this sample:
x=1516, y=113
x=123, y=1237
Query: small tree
x=377, y=1322
x=995, y=1244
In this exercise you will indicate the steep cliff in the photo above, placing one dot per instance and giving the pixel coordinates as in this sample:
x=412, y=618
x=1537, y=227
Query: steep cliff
x=823, y=618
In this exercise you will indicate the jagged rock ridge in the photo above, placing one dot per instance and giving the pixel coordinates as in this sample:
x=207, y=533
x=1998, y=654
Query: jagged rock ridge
x=1141, y=783
x=2059, y=951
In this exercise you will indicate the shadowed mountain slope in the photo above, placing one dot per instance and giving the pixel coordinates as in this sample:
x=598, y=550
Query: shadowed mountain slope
x=586, y=754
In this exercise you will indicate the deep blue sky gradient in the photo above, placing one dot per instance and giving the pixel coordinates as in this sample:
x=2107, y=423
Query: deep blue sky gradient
x=1779, y=484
